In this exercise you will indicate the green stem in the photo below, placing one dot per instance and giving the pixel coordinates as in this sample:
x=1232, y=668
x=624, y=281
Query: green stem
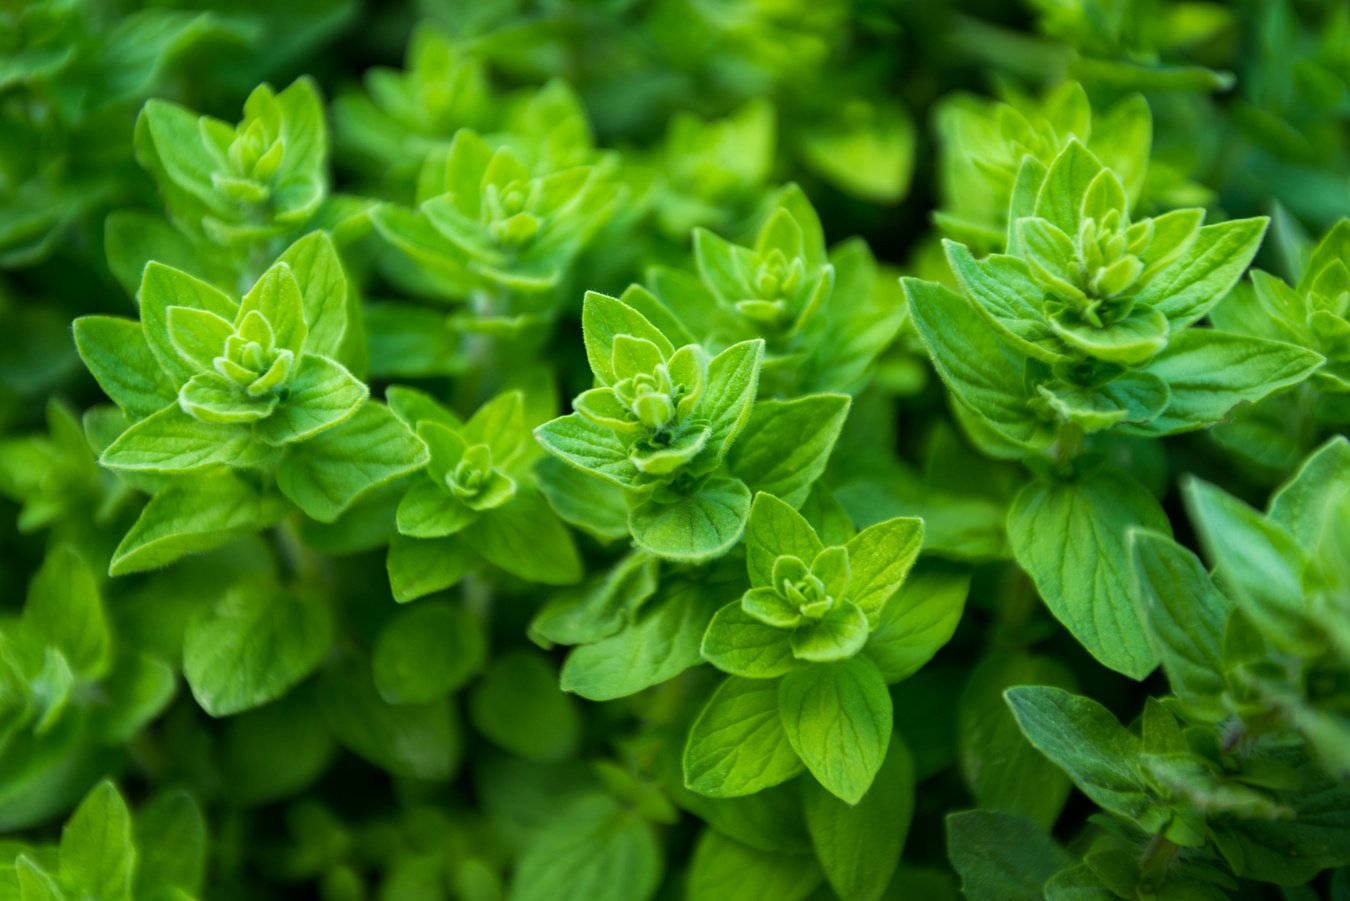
x=1069, y=445
x=1158, y=854
x=478, y=595
x=295, y=555
x=1031, y=58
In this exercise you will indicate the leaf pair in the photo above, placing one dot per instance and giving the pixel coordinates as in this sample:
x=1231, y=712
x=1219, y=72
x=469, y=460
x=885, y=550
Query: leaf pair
x=660, y=426
x=801, y=693
x=1086, y=321
x=807, y=602
x=824, y=316
x=476, y=500
x=106, y=853
x=987, y=144
x=211, y=384
x=260, y=178
x=682, y=435
x=1313, y=313
x=218, y=381
x=72, y=688
x=833, y=719
x=492, y=217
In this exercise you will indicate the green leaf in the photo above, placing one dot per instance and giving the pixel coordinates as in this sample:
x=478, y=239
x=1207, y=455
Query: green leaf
x=1186, y=617
x=97, y=855
x=658, y=314
x=1001, y=856
x=776, y=529
x=425, y=652
x=253, y=646
x=276, y=751
x=663, y=642
x=163, y=287
x=431, y=264
x=517, y=706
x=975, y=362
x=1006, y=292
x=526, y=539
x=723, y=266
x=1260, y=563
x=430, y=511
x=1135, y=396
x=786, y=444
x=420, y=567
x=838, y=719
x=211, y=398
x=593, y=849
x=173, y=441
x=603, y=319
x=739, y=644
x=1131, y=341
x=1308, y=505
x=1051, y=254
x=1210, y=372
x=918, y=621
x=837, y=635
x=859, y=845
x=410, y=341
x=590, y=447
x=587, y=502
x=769, y=820
x=738, y=746
x=328, y=473
x=729, y=394
x=692, y=527
x=500, y=424
x=191, y=514
x=1003, y=770
x=1066, y=183
x=134, y=237
x=602, y=608
x=276, y=295
x=320, y=395
x=879, y=558
x=730, y=871
x=1105, y=195
x=117, y=355
x=1071, y=538
x=1082, y=738
x=421, y=741
x=414, y=407
x=1203, y=275
x=846, y=348
x=1291, y=849
x=33, y=883
x=868, y=152
x=317, y=269
x=138, y=690
x=1174, y=233
x=634, y=356
x=171, y=840
x=172, y=134
x=65, y=611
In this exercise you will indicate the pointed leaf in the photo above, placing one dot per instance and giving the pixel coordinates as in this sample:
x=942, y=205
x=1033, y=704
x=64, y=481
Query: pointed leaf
x=838, y=719
x=1071, y=538
x=786, y=444
x=117, y=355
x=737, y=746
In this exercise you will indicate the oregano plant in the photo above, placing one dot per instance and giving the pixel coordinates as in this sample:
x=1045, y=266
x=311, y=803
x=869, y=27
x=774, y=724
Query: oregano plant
x=507, y=451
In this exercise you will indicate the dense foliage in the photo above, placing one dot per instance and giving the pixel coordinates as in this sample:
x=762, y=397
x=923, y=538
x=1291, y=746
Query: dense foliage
x=631, y=449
